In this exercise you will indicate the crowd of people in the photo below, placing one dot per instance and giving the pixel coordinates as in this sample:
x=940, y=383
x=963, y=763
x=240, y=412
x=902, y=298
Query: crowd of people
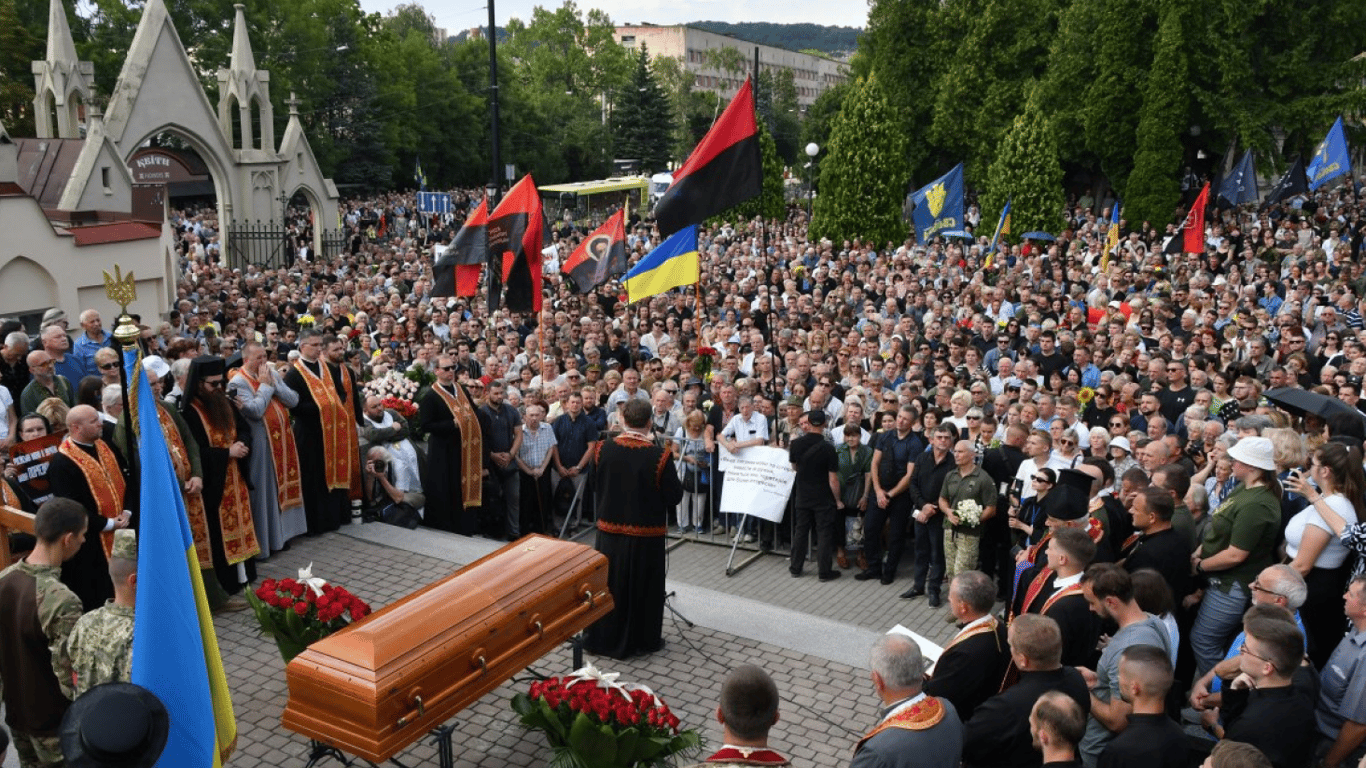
x=1082, y=435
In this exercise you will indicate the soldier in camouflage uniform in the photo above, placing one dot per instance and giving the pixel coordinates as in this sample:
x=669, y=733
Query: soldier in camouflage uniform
x=37, y=612
x=101, y=644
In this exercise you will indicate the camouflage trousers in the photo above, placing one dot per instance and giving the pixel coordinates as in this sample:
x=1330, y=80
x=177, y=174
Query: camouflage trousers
x=38, y=751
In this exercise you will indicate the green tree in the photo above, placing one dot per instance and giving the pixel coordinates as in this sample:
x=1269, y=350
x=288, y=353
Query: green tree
x=770, y=203
x=906, y=46
x=691, y=108
x=16, y=94
x=776, y=102
x=1153, y=188
x=863, y=177
x=1027, y=172
x=819, y=117
x=642, y=119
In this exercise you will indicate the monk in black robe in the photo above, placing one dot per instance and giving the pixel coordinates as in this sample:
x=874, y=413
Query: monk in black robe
x=637, y=486
x=222, y=435
x=455, y=428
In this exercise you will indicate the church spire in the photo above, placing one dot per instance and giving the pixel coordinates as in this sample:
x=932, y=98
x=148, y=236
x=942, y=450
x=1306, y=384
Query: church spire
x=244, y=109
x=62, y=83
x=61, y=48
x=242, y=59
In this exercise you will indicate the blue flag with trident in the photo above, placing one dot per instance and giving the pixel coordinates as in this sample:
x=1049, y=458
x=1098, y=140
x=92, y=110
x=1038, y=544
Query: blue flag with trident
x=419, y=176
x=939, y=205
x=1330, y=159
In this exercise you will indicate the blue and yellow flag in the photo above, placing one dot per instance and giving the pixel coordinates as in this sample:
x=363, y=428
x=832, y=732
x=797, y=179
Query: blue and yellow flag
x=1330, y=159
x=175, y=651
x=1002, y=228
x=419, y=176
x=1111, y=237
x=672, y=264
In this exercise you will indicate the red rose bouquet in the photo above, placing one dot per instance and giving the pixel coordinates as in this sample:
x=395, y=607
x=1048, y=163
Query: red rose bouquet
x=592, y=721
x=298, y=613
x=702, y=364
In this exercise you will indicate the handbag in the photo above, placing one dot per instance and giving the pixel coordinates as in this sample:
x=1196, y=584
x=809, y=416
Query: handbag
x=694, y=479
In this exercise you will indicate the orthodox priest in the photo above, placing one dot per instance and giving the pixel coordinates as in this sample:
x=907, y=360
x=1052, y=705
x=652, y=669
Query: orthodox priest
x=456, y=453
x=637, y=486
x=324, y=434
x=277, y=501
x=86, y=470
x=221, y=434
x=189, y=474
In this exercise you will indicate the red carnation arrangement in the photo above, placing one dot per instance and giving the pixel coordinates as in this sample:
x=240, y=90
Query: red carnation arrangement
x=298, y=613
x=591, y=721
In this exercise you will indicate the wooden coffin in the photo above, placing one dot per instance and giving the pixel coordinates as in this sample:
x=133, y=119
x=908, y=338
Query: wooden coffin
x=380, y=684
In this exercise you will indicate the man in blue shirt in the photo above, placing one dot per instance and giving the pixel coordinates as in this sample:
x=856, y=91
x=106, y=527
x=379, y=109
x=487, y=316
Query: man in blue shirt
x=89, y=342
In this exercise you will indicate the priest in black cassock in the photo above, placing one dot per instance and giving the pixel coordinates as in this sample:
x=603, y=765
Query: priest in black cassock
x=637, y=486
x=222, y=434
x=970, y=669
x=325, y=433
x=456, y=453
x=87, y=470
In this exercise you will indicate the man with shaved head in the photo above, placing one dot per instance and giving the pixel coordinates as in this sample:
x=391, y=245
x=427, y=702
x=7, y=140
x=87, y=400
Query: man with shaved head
x=90, y=472
x=748, y=709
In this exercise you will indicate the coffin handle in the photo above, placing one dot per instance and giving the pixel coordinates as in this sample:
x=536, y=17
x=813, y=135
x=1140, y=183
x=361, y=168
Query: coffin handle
x=421, y=708
x=478, y=658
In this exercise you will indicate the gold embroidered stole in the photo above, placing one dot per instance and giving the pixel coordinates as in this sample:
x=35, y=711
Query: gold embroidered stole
x=918, y=717
x=234, y=512
x=337, y=455
x=104, y=478
x=356, y=488
x=471, y=445
x=283, y=452
x=194, y=502
x=988, y=626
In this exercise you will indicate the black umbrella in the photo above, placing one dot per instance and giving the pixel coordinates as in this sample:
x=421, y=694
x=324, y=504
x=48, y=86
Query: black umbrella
x=1303, y=402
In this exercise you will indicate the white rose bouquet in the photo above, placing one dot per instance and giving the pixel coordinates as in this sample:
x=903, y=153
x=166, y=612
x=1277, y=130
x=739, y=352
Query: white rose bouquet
x=969, y=513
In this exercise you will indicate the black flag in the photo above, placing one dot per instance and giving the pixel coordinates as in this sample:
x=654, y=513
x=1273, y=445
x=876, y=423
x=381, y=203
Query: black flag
x=1292, y=182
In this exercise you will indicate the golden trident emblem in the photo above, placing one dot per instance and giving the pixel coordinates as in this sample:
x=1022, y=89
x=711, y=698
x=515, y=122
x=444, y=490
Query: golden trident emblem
x=935, y=197
x=120, y=290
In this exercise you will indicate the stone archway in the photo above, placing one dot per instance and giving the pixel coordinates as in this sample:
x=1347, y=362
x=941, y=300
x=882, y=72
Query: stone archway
x=217, y=168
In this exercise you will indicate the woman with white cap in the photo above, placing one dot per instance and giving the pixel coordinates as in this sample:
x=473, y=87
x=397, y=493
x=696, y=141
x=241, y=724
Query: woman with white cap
x=1121, y=456
x=1239, y=542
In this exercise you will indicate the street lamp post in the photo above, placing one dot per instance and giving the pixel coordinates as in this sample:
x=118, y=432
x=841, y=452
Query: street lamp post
x=812, y=150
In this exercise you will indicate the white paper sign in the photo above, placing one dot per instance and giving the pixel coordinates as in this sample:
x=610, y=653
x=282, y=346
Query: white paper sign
x=928, y=649
x=758, y=483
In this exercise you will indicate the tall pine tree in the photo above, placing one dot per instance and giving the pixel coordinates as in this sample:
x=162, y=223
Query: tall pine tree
x=1027, y=172
x=642, y=119
x=864, y=175
x=1154, y=186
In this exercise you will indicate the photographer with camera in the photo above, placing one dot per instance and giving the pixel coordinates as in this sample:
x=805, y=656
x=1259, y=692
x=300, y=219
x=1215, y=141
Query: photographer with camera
x=383, y=500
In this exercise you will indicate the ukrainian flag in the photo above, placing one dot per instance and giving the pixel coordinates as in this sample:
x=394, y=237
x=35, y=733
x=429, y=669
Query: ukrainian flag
x=1002, y=228
x=672, y=264
x=1111, y=237
x=175, y=651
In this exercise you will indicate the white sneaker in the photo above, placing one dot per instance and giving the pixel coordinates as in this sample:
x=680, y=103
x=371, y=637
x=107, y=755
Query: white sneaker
x=749, y=538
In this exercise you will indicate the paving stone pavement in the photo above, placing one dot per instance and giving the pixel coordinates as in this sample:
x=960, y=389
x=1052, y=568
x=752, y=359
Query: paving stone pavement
x=826, y=704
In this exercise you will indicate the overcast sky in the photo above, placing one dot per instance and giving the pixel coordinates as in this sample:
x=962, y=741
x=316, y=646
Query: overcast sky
x=456, y=15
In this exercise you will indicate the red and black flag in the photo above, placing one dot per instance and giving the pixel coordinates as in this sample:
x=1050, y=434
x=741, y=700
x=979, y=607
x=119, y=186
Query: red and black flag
x=723, y=171
x=457, y=271
x=517, y=233
x=601, y=256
